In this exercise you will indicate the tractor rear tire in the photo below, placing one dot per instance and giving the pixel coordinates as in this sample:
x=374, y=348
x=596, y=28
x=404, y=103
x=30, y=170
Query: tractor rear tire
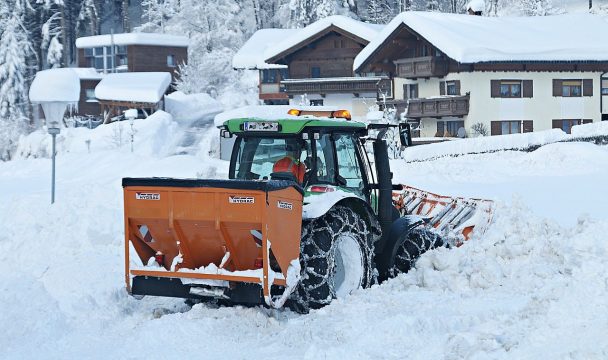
x=418, y=241
x=336, y=257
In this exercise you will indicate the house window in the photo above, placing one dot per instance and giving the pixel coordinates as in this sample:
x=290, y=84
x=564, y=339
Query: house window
x=269, y=76
x=452, y=88
x=449, y=128
x=572, y=88
x=604, y=86
x=171, y=60
x=566, y=124
x=317, y=102
x=413, y=91
x=315, y=72
x=102, y=58
x=90, y=95
x=506, y=127
x=510, y=89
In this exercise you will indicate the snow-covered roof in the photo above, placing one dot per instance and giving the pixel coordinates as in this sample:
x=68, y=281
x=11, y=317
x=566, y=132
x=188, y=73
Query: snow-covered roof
x=146, y=87
x=471, y=39
x=360, y=29
x=55, y=85
x=132, y=39
x=251, y=55
x=476, y=5
x=88, y=73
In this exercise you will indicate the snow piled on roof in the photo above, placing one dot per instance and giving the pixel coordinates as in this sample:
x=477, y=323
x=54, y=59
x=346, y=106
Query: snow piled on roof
x=251, y=55
x=476, y=5
x=471, y=39
x=147, y=87
x=88, y=73
x=363, y=30
x=132, y=39
x=55, y=85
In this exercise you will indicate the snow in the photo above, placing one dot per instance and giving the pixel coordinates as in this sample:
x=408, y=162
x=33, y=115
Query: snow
x=153, y=39
x=88, y=73
x=251, y=55
x=471, y=39
x=484, y=144
x=476, y=5
x=534, y=286
x=591, y=129
x=146, y=87
x=357, y=28
x=190, y=107
x=53, y=85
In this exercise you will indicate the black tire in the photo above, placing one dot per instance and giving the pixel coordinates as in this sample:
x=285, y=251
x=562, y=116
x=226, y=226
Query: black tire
x=320, y=254
x=417, y=242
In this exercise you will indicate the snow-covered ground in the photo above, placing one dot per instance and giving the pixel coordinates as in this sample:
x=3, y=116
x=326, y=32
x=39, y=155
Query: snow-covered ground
x=535, y=285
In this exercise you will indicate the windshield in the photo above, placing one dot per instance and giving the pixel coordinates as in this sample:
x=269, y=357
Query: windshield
x=256, y=156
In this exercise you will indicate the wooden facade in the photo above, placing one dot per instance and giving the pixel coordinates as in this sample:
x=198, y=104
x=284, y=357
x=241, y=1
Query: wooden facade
x=88, y=107
x=146, y=58
x=452, y=106
x=323, y=64
x=400, y=50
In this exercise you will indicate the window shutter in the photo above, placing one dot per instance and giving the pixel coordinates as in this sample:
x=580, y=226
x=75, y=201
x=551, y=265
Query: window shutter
x=587, y=121
x=495, y=127
x=457, y=85
x=587, y=87
x=405, y=95
x=495, y=89
x=528, y=91
x=557, y=88
x=442, y=88
x=528, y=126
x=556, y=124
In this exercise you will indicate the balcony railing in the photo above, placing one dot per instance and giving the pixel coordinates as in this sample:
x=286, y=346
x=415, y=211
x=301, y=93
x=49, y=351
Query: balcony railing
x=354, y=85
x=438, y=107
x=426, y=66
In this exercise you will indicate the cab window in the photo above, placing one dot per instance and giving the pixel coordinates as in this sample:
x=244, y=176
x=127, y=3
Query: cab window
x=348, y=162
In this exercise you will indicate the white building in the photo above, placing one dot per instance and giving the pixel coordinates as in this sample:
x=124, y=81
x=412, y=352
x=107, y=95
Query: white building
x=512, y=75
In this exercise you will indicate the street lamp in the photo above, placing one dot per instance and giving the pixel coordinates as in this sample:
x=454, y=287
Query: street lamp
x=131, y=115
x=55, y=90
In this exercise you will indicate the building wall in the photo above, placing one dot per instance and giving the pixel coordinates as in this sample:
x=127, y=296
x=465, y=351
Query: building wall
x=88, y=107
x=333, y=54
x=142, y=58
x=542, y=108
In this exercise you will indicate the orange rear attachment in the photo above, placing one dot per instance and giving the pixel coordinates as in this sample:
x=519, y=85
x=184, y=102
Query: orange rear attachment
x=213, y=232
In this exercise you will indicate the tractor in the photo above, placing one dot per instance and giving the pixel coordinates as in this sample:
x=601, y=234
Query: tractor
x=306, y=216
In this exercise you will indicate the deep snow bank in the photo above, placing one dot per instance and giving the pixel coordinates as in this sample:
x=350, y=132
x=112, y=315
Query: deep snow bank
x=154, y=136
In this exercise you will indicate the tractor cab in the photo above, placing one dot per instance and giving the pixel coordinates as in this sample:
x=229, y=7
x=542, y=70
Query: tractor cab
x=322, y=151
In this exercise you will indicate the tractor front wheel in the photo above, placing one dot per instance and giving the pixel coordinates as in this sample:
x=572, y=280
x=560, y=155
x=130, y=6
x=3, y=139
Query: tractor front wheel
x=336, y=258
x=417, y=242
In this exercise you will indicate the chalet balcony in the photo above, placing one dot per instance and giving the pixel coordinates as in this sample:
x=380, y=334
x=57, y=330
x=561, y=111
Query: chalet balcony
x=353, y=85
x=456, y=106
x=421, y=67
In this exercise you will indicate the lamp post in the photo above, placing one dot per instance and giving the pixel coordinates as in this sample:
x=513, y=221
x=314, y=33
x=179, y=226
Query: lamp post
x=56, y=90
x=54, y=130
x=131, y=115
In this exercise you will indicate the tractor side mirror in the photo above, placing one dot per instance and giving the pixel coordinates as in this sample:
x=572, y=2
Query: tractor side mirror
x=405, y=134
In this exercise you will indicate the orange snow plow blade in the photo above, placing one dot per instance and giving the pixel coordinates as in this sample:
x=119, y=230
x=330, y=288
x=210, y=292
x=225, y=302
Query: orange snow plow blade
x=203, y=238
x=453, y=217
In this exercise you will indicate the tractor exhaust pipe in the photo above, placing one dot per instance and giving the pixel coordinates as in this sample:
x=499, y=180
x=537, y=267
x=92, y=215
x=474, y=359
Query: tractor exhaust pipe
x=385, y=191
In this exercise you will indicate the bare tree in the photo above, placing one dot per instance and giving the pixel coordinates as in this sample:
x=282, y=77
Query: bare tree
x=480, y=129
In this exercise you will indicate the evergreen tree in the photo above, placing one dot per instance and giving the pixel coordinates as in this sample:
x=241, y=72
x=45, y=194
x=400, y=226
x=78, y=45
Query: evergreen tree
x=380, y=11
x=14, y=50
